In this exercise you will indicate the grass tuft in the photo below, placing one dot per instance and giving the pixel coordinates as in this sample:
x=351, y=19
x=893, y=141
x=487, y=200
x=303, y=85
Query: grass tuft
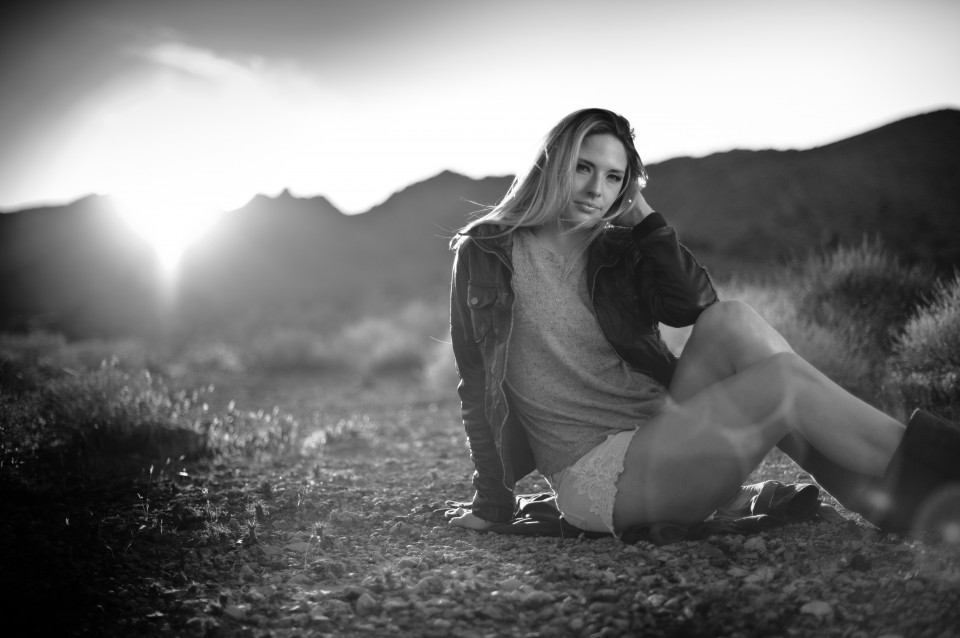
x=926, y=362
x=863, y=291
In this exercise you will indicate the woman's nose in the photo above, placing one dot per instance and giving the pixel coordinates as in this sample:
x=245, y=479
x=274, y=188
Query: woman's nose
x=593, y=188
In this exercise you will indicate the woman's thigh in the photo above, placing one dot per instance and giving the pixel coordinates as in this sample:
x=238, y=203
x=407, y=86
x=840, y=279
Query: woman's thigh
x=693, y=457
x=728, y=337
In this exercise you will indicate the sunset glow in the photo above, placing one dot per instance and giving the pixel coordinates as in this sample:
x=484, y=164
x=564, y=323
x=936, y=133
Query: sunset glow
x=217, y=105
x=169, y=223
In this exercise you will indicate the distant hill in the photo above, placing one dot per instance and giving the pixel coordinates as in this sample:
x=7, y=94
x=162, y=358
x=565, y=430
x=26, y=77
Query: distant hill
x=76, y=269
x=900, y=182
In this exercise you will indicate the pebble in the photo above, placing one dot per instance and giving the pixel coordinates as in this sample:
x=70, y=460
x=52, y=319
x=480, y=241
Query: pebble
x=817, y=608
x=300, y=579
x=235, y=612
x=606, y=595
x=366, y=604
x=755, y=544
x=536, y=599
x=509, y=584
x=394, y=604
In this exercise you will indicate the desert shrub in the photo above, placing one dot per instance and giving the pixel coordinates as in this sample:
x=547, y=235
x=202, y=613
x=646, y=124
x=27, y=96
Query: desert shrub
x=110, y=420
x=354, y=433
x=293, y=349
x=926, y=361
x=864, y=291
x=33, y=346
x=251, y=434
x=114, y=411
x=382, y=345
x=89, y=354
x=211, y=356
x=396, y=341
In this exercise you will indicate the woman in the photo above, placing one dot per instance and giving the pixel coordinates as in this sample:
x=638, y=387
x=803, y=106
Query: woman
x=557, y=294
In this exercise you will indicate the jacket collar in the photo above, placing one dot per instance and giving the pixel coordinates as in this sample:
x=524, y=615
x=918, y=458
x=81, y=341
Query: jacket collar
x=493, y=238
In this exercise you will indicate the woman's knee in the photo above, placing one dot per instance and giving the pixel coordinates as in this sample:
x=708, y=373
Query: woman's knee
x=727, y=316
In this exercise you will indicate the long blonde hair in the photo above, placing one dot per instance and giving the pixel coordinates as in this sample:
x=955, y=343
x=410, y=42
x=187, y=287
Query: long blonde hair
x=539, y=194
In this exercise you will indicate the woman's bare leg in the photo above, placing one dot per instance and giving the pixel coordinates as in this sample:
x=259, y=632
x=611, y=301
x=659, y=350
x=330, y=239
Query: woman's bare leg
x=739, y=391
x=730, y=337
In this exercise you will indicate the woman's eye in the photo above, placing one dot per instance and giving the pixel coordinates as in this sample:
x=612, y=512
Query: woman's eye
x=615, y=178
x=582, y=168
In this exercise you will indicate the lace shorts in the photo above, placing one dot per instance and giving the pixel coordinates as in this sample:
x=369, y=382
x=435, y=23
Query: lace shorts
x=587, y=490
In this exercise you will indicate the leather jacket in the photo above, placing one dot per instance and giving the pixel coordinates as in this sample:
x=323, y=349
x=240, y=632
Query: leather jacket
x=636, y=278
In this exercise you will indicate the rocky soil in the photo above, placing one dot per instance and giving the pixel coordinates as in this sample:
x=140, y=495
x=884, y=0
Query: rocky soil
x=345, y=540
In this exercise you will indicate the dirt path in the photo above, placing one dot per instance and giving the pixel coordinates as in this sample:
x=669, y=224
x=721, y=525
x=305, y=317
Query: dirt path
x=345, y=542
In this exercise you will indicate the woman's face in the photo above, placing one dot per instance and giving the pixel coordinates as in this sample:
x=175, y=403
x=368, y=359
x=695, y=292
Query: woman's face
x=600, y=171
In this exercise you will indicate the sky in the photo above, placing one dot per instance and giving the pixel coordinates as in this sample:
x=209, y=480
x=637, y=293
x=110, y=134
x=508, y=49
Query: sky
x=205, y=103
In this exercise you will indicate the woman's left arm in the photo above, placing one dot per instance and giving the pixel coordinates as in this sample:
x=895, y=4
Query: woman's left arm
x=670, y=281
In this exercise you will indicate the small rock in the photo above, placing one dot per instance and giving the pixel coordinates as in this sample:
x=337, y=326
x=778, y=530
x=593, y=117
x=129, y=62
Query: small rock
x=817, y=608
x=367, y=605
x=300, y=547
x=271, y=550
x=408, y=563
x=395, y=604
x=860, y=562
x=755, y=544
x=576, y=624
x=606, y=595
x=536, y=599
x=299, y=579
x=232, y=611
x=430, y=585
x=509, y=584
x=762, y=575
x=649, y=580
x=492, y=612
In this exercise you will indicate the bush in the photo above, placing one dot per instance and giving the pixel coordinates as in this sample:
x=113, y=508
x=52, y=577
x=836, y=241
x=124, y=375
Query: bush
x=863, y=291
x=292, y=350
x=109, y=420
x=397, y=343
x=926, y=361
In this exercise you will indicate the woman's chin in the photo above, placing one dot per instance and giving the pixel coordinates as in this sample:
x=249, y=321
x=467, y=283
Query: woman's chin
x=580, y=222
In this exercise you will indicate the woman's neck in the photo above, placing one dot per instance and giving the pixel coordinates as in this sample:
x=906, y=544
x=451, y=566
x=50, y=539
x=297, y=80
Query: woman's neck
x=561, y=241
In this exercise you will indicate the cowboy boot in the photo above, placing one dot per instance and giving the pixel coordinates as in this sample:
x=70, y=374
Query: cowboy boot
x=922, y=481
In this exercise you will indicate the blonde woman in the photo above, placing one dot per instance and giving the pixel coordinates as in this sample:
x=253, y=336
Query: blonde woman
x=557, y=294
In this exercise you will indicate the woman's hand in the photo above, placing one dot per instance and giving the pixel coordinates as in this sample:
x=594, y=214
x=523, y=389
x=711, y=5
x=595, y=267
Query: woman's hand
x=638, y=210
x=469, y=520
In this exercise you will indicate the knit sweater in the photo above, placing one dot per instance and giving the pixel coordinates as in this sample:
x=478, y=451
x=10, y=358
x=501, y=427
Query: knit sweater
x=567, y=385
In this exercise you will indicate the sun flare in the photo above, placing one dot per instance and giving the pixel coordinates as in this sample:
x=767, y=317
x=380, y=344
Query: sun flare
x=169, y=224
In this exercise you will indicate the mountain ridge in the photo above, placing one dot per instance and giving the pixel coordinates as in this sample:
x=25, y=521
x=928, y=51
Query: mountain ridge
x=284, y=256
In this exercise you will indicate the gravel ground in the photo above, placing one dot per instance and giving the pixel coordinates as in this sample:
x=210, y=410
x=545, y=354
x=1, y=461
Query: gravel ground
x=346, y=542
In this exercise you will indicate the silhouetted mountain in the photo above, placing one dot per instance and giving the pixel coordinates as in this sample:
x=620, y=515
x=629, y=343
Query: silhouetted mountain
x=274, y=255
x=76, y=269
x=900, y=183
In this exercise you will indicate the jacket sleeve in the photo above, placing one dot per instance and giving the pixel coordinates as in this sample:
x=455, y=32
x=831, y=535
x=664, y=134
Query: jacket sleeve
x=492, y=501
x=670, y=281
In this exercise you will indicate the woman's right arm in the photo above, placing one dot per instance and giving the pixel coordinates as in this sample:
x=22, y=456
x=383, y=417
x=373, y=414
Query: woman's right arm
x=492, y=502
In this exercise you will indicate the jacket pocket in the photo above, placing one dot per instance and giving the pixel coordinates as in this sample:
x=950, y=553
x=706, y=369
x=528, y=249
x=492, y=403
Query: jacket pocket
x=481, y=300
